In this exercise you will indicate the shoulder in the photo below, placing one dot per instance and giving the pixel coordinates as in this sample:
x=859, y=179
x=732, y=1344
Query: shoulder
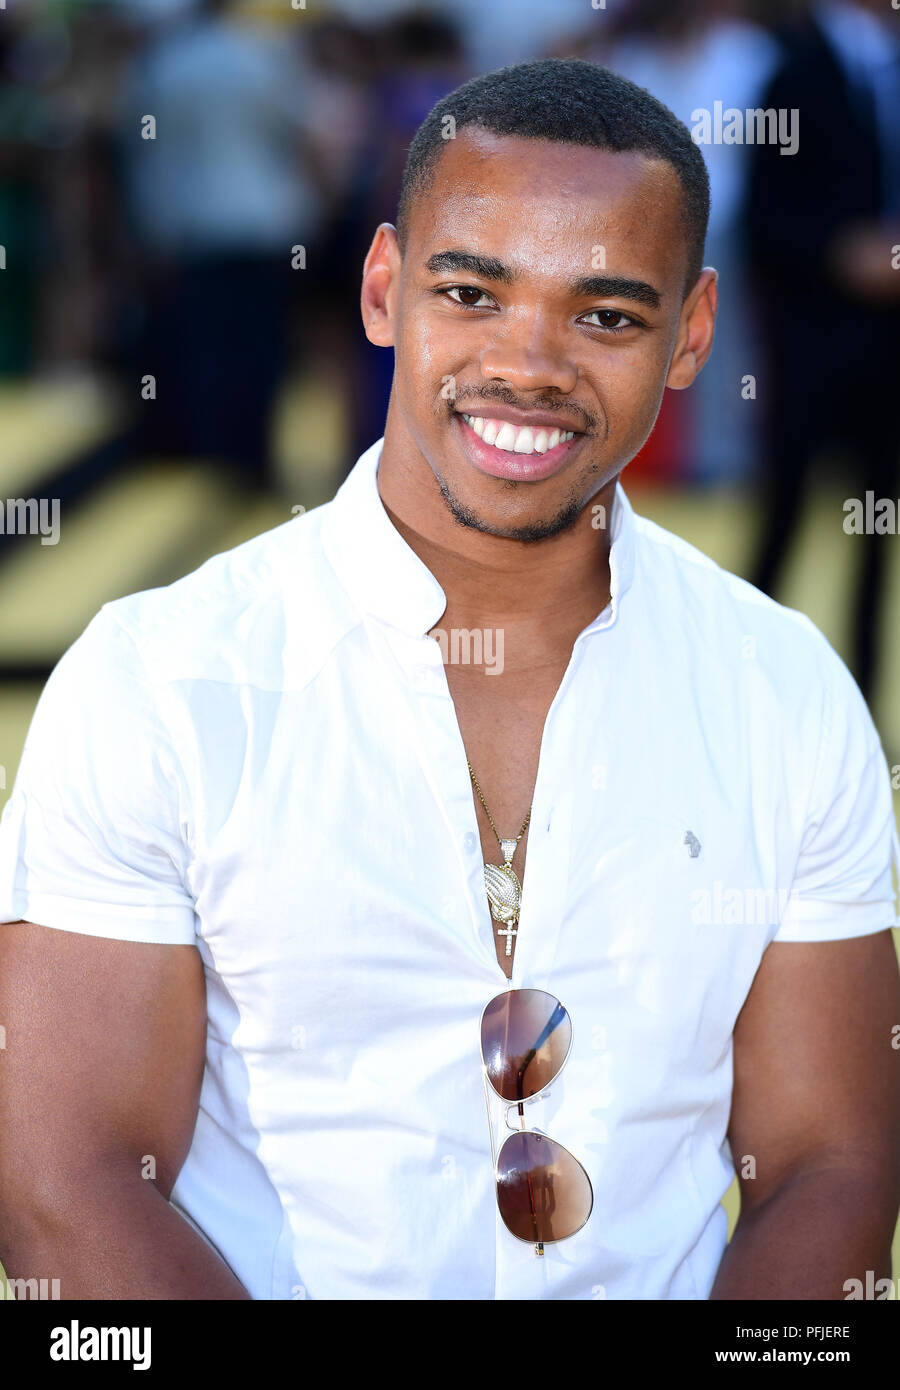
x=238, y=618
x=757, y=688
x=743, y=640
x=713, y=594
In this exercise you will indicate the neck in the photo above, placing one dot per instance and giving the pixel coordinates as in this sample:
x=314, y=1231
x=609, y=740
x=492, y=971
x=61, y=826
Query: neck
x=542, y=593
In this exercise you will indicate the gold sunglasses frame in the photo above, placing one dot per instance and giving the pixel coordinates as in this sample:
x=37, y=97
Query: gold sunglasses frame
x=519, y=1105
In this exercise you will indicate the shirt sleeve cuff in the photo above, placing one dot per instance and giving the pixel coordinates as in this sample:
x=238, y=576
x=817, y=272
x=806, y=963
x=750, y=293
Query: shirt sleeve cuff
x=164, y=924
x=809, y=920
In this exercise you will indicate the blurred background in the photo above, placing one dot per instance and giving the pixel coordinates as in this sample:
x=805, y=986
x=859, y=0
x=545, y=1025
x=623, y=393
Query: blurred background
x=187, y=192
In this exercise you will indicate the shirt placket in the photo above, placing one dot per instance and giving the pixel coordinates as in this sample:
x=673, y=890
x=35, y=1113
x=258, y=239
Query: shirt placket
x=434, y=735
x=520, y=1273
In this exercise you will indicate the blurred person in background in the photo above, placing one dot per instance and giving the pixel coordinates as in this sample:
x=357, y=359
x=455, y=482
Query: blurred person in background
x=491, y=32
x=34, y=129
x=20, y=218
x=417, y=59
x=821, y=228
x=341, y=55
x=232, y=182
x=691, y=54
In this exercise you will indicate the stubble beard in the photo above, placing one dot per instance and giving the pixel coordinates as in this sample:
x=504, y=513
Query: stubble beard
x=532, y=531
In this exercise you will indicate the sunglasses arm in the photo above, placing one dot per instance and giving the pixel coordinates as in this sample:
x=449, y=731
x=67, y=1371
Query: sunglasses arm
x=487, y=1102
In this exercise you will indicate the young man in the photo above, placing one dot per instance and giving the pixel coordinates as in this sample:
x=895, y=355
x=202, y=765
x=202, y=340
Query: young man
x=249, y=942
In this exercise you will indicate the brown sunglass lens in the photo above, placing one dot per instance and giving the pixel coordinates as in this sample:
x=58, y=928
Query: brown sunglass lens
x=525, y=1038
x=543, y=1192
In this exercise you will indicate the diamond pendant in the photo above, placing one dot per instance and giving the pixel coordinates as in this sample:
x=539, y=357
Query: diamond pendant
x=504, y=893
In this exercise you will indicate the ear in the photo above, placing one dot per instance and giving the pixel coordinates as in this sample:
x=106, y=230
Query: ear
x=695, y=331
x=381, y=277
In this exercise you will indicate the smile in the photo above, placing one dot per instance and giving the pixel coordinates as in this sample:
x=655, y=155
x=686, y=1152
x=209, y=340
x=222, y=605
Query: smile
x=516, y=453
x=512, y=439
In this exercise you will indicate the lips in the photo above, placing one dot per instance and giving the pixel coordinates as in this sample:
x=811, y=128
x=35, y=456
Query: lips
x=528, y=463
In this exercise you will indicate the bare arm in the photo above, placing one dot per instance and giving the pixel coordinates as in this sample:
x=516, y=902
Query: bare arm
x=816, y=1105
x=105, y=1047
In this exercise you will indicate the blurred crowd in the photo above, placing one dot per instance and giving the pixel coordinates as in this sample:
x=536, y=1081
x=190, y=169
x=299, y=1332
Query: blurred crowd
x=189, y=187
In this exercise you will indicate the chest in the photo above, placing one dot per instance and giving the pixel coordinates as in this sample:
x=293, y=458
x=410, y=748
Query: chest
x=501, y=721
x=338, y=861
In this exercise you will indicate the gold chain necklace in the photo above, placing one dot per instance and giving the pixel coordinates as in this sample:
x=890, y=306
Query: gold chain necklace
x=503, y=887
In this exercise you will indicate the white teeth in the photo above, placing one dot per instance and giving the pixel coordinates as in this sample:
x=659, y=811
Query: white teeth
x=512, y=440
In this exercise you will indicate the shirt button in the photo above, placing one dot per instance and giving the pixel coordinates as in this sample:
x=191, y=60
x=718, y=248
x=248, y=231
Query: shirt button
x=469, y=842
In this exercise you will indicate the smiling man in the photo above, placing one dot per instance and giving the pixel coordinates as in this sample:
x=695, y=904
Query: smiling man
x=268, y=860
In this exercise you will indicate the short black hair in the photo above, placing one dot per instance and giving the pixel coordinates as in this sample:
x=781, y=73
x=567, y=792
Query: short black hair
x=570, y=101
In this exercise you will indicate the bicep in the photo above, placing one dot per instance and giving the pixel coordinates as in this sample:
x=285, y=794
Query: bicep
x=816, y=1065
x=103, y=1058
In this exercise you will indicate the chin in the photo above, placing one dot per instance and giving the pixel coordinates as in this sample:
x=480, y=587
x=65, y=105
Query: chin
x=528, y=525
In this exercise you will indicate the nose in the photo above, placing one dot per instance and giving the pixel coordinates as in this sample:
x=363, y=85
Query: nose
x=528, y=356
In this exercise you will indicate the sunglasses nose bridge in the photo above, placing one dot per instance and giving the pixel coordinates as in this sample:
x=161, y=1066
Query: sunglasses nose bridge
x=519, y=1108
x=520, y=1117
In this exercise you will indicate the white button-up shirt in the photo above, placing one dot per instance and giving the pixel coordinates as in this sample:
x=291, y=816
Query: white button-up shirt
x=264, y=758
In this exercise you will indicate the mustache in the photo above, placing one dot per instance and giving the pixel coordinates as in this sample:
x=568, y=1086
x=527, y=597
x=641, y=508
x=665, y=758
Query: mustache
x=503, y=396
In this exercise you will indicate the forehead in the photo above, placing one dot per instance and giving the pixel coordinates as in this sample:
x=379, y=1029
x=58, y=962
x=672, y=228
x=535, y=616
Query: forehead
x=544, y=207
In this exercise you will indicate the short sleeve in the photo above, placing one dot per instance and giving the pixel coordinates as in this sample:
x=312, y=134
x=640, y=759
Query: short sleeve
x=94, y=837
x=843, y=883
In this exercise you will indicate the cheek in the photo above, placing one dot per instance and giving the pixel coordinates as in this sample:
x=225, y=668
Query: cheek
x=429, y=359
x=630, y=386
x=420, y=357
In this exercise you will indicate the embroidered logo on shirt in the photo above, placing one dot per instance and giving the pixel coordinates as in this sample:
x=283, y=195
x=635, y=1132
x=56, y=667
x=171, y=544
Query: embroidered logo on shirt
x=690, y=839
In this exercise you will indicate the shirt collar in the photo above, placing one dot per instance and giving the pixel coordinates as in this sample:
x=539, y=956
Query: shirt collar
x=386, y=578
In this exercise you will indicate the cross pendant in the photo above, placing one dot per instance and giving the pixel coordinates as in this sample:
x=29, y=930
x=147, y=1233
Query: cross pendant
x=509, y=933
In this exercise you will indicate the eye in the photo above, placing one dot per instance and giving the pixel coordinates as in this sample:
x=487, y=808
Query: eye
x=468, y=296
x=612, y=320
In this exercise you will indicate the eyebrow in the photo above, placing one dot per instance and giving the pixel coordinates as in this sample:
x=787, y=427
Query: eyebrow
x=616, y=287
x=585, y=287
x=487, y=267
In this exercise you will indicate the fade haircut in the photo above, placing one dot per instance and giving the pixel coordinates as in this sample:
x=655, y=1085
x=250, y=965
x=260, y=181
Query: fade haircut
x=572, y=102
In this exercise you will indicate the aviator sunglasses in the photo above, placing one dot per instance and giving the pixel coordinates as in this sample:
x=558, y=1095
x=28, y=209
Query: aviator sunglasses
x=543, y=1193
